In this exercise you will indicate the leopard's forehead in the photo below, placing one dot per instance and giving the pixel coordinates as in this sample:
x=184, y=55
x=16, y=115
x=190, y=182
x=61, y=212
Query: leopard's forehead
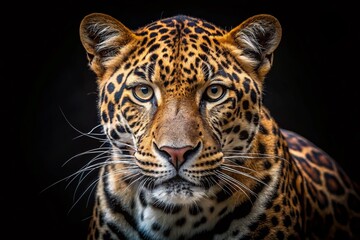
x=177, y=53
x=181, y=25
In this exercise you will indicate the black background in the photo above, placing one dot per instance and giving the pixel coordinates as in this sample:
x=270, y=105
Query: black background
x=311, y=89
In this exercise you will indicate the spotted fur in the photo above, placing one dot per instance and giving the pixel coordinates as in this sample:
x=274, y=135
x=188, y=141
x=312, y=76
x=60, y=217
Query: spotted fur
x=195, y=154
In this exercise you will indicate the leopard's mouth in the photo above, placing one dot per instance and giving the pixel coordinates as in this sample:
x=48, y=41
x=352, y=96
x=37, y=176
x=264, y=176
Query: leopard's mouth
x=178, y=191
x=177, y=186
x=177, y=180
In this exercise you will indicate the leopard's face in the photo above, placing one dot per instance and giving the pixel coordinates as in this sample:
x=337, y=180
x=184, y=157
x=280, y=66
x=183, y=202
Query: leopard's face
x=179, y=98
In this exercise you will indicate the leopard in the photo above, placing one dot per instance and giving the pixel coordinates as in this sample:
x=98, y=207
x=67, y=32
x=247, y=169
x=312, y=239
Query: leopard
x=194, y=152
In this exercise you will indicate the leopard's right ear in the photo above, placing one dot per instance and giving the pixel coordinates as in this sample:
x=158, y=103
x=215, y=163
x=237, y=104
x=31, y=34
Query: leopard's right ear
x=103, y=38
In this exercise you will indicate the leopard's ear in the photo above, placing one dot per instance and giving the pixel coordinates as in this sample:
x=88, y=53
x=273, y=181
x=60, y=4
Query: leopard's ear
x=103, y=38
x=254, y=41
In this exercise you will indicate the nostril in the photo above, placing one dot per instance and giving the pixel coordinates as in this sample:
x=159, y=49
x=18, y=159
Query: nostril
x=192, y=152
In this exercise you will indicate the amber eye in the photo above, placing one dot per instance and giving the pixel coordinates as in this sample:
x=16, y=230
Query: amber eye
x=143, y=92
x=215, y=92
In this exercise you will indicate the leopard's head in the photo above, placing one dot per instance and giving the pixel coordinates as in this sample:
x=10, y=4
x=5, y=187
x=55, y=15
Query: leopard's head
x=180, y=101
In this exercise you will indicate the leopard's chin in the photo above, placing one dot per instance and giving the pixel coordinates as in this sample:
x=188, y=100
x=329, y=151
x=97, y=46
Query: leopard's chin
x=178, y=191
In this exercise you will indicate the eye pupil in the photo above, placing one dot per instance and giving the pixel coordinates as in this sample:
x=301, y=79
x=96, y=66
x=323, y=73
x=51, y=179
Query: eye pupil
x=144, y=90
x=214, y=89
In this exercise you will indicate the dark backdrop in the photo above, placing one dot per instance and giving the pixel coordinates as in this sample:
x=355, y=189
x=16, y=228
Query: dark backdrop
x=311, y=90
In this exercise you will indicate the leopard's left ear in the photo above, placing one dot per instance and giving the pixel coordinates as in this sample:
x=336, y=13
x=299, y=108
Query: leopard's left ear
x=254, y=41
x=103, y=38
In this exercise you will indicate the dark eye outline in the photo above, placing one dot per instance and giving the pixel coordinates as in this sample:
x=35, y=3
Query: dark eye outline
x=220, y=96
x=136, y=90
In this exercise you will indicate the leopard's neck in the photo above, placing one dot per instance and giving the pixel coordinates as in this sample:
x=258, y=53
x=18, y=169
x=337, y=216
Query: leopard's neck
x=279, y=164
x=274, y=155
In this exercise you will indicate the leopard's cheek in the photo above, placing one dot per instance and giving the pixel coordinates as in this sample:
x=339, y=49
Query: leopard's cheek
x=138, y=120
x=236, y=121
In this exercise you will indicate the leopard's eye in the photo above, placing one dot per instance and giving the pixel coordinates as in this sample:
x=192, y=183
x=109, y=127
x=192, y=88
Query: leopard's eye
x=143, y=92
x=215, y=92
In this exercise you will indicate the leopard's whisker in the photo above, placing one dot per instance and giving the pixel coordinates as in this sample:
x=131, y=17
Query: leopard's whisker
x=125, y=144
x=93, y=167
x=91, y=133
x=93, y=184
x=84, y=169
x=243, y=174
x=236, y=165
x=93, y=188
x=81, y=179
x=101, y=150
x=237, y=185
x=135, y=174
x=73, y=176
x=83, y=133
x=232, y=184
x=255, y=156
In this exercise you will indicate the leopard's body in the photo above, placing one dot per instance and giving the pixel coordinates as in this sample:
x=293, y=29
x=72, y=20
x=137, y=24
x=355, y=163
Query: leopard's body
x=195, y=154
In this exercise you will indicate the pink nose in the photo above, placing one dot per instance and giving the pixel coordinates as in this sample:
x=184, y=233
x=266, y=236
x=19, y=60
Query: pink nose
x=177, y=155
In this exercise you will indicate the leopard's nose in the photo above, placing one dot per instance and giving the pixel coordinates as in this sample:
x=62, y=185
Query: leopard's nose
x=177, y=156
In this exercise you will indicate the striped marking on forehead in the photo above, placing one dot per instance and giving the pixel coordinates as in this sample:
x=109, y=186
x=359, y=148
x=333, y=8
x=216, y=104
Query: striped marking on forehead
x=173, y=77
x=176, y=53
